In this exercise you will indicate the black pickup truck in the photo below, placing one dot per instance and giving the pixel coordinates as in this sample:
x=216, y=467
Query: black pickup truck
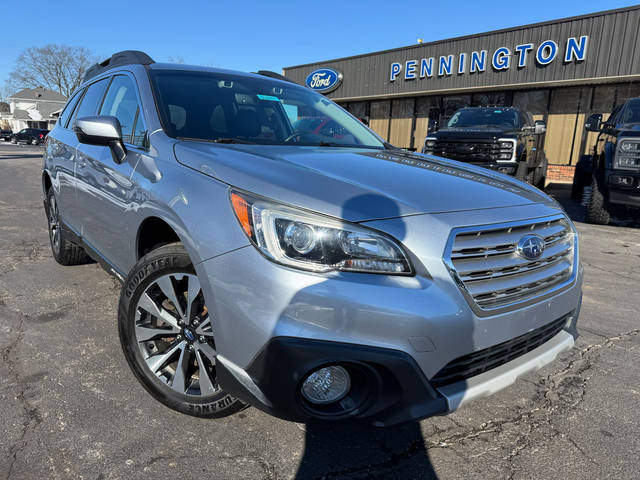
x=609, y=178
x=500, y=138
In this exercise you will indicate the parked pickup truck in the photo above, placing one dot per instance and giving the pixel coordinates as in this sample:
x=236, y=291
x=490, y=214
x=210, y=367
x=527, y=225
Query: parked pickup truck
x=610, y=176
x=499, y=138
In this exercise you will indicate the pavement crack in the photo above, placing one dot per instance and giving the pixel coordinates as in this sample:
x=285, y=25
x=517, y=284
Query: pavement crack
x=30, y=414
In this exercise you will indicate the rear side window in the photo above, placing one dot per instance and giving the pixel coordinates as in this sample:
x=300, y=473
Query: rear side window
x=122, y=102
x=66, y=113
x=91, y=100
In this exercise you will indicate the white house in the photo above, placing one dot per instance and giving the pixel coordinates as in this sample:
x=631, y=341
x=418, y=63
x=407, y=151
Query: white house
x=32, y=108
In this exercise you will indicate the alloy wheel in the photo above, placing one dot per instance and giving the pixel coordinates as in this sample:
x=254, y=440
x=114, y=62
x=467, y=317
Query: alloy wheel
x=54, y=224
x=173, y=332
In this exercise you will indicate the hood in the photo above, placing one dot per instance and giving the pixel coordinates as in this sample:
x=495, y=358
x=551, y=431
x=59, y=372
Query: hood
x=629, y=129
x=492, y=133
x=357, y=184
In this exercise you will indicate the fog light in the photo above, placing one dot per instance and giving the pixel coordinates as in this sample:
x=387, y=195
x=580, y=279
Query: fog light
x=326, y=385
x=619, y=180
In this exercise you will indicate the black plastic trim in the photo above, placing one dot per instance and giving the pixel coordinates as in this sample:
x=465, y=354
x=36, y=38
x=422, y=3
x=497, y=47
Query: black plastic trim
x=126, y=57
x=399, y=390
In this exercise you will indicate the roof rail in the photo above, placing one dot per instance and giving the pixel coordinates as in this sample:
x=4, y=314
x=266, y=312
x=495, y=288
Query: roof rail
x=269, y=73
x=126, y=57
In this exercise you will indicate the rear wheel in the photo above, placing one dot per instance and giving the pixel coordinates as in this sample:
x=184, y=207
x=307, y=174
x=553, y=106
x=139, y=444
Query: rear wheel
x=167, y=337
x=540, y=177
x=34, y=141
x=65, y=252
x=522, y=173
x=597, y=206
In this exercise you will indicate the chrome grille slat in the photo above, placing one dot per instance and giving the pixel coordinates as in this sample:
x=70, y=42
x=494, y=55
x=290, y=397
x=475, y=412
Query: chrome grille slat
x=486, y=262
x=481, y=287
x=509, y=237
x=494, y=264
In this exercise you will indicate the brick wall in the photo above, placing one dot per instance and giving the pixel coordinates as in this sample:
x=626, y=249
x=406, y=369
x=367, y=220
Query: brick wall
x=560, y=173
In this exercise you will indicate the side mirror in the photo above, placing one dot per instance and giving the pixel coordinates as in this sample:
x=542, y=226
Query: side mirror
x=593, y=123
x=102, y=130
x=539, y=127
x=432, y=126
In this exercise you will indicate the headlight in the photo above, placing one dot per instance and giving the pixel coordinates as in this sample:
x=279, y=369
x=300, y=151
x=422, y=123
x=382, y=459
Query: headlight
x=310, y=241
x=626, y=162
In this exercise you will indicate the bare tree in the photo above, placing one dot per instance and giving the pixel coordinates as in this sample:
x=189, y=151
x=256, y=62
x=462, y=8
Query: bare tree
x=56, y=67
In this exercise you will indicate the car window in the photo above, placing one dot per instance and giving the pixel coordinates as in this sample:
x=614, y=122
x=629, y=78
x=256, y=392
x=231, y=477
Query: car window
x=631, y=112
x=91, y=100
x=231, y=108
x=484, y=117
x=121, y=102
x=612, y=118
x=66, y=113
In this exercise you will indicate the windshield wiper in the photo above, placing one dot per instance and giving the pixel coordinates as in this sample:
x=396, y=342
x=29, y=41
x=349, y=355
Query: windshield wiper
x=215, y=140
x=229, y=140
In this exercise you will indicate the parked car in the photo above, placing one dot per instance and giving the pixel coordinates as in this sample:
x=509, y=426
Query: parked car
x=34, y=136
x=315, y=277
x=5, y=135
x=499, y=138
x=611, y=174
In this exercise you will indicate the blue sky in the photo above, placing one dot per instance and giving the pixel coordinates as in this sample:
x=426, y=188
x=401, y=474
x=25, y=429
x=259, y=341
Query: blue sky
x=268, y=34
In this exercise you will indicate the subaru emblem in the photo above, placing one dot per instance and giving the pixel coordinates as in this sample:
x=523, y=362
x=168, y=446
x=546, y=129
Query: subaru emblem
x=531, y=247
x=189, y=334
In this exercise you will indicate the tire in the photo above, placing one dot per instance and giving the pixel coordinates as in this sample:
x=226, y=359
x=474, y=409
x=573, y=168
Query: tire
x=597, y=208
x=540, y=178
x=522, y=172
x=164, y=344
x=581, y=177
x=64, y=251
x=14, y=141
x=34, y=141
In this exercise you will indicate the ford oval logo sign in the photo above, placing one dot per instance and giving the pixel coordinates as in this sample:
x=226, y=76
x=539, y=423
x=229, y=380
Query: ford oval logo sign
x=324, y=80
x=531, y=247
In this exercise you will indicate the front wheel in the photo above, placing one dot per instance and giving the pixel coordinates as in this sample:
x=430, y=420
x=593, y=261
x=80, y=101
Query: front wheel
x=167, y=337
x=597, y=205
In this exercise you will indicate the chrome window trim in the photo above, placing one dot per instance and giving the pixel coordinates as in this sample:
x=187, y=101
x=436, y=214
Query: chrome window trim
x=556, y=289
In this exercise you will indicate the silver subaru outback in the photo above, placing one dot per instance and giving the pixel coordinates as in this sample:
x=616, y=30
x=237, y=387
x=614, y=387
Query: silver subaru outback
x=276, y=252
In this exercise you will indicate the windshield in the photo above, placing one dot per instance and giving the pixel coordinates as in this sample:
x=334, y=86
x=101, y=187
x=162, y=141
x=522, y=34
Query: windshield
x=227, y=108
x=484, y=117
x=631, y=113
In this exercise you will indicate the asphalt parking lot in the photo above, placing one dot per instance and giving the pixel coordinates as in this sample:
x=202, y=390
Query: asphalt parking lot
x=72, y=409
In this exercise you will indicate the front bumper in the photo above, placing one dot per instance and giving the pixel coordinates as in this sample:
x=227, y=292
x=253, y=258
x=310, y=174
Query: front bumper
x=274, y=325
x=624, y=187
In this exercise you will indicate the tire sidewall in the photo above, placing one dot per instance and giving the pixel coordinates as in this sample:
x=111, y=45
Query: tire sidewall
x=56, y=255
x=166, y=260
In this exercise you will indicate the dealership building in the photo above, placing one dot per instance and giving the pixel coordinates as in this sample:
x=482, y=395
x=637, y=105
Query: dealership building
x=560, y=71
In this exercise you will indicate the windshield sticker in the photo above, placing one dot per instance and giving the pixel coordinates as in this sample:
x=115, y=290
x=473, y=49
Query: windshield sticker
x=269, y=98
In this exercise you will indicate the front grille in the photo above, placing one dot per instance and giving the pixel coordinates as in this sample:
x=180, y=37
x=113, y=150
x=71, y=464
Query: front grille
x=478, y=362
x=486, y=262
x=470, y=151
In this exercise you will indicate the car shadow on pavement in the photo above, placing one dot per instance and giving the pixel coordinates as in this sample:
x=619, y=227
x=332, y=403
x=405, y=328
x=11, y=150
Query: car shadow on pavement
x=359, y=451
